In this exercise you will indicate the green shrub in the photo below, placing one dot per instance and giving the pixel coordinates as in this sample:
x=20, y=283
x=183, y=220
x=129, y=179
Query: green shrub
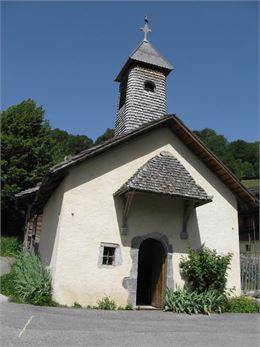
x=243, y=304
x=106, y=304
x=186, y=301
x=129, y=307
x=77, y=305
x=29, y=281
x=9, y=246
x=205, y=270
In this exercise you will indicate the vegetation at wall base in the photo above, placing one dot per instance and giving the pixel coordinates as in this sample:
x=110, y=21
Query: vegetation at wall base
x=9, y=246
x=29, y=281
x=204, y=270
x=205, y=274
x=242, y=304
x=187, y=301
x=106, y=304
x=129, y=307
x=190, y=302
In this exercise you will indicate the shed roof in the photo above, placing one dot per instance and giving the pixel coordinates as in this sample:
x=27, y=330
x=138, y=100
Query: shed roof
x=164, y=174
x=145, y=53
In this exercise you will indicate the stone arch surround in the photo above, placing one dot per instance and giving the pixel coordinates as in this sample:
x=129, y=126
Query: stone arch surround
x=130, y=283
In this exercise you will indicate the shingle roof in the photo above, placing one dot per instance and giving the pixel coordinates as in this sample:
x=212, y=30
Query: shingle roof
x=164, y=174
x=146, y=53
x=59, y=171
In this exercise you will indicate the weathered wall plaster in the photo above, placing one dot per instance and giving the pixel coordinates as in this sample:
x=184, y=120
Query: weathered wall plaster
x=91, y=215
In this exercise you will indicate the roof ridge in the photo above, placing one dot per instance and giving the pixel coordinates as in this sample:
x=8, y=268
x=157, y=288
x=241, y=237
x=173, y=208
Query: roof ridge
x=171, y=121
x=107, y=142
x=145, y=53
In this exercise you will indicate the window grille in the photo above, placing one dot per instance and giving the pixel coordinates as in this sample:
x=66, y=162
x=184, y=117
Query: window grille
x=108, y=256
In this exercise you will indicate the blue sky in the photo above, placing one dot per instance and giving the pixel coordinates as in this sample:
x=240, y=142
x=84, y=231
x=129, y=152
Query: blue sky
x=65, y=55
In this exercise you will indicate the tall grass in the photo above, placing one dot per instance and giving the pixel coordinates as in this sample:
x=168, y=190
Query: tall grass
x=29, y=280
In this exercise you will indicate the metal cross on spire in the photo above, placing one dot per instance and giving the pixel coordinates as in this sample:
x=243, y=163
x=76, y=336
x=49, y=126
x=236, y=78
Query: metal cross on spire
x=145, y=29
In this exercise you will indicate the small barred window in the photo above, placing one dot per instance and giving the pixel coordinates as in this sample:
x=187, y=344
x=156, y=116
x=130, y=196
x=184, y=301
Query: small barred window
x=109, y=256
x=149, y=86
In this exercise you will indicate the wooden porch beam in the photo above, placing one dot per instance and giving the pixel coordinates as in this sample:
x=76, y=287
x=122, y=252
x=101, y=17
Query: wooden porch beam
x=128, y=198
x=188, y=207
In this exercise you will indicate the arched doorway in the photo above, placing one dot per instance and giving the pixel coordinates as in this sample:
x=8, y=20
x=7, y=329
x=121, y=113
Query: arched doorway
x=151, y=274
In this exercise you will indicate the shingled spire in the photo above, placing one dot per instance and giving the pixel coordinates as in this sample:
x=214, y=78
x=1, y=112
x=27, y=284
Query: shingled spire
x=142, y=90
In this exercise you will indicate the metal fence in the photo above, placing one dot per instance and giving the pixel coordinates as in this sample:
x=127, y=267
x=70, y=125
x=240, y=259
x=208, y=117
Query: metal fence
x=250, y=272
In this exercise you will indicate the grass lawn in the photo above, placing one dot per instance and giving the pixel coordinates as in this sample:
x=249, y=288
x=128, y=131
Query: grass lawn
x=251, y=183
x=9, y=246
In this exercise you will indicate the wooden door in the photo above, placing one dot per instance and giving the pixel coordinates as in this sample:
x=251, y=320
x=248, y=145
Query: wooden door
x=151, y=274
x=158, y=277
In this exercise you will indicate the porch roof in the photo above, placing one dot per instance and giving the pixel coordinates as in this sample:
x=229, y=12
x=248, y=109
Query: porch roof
x=164, y=174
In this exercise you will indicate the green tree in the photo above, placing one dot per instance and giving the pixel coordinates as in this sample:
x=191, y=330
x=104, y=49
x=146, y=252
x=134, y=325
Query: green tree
x=216, y=143
x=26, y=156
x=108, y=134
x=67, y=144
x=241, y=157
x=246, y=156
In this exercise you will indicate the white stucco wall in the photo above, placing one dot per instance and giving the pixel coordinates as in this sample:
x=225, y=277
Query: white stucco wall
x=90, y=215
x=50, y=228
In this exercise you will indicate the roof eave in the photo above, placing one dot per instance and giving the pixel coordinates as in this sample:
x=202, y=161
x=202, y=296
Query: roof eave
x=175, y=124
x=199, y=201
x=130, y=62
x=200, y=149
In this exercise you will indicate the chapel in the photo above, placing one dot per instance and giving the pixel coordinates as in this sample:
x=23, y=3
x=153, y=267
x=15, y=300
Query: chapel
x=116, y=219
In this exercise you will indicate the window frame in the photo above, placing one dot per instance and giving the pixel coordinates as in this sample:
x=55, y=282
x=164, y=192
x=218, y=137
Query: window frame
x=117, y=255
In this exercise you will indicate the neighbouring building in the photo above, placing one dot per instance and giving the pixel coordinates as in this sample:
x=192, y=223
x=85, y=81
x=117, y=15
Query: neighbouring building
x=116, y=219
x=249, y=227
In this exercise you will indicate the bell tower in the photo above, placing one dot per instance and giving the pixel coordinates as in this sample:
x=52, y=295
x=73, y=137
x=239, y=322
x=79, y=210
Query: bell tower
x=142, y=86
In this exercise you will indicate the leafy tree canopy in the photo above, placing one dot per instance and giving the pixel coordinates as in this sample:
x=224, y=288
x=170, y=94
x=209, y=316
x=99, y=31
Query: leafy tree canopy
x=108, y=134
x=29, y=148
x=65, y=144
x=216, y=143
x=26, y=153
x=240, y=157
